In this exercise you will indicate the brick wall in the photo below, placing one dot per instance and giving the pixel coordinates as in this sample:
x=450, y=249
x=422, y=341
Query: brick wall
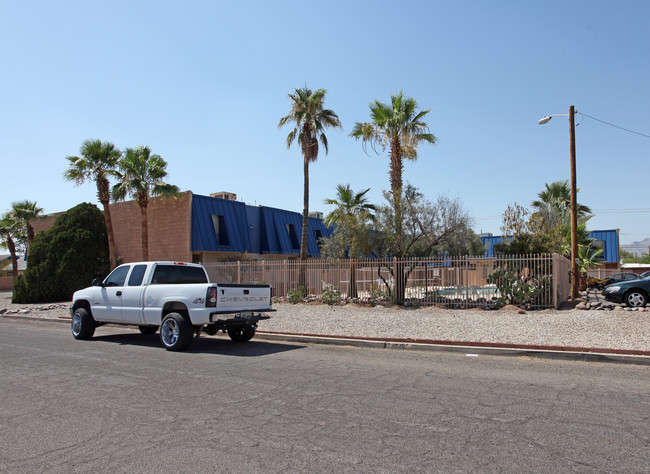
x=170, y=229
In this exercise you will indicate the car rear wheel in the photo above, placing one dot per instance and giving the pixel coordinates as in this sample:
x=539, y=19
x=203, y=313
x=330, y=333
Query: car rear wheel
x=636, y=298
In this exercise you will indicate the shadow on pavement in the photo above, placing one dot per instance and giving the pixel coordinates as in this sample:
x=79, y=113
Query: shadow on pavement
x=204, y=345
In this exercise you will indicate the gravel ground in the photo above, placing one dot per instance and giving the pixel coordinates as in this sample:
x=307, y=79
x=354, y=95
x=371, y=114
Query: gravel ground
x=591, y=329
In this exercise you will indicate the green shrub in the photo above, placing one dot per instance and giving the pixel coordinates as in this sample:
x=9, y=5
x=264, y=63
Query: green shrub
x=514, y=288
x=296, y=296
x=331, y=295
x=66, y=257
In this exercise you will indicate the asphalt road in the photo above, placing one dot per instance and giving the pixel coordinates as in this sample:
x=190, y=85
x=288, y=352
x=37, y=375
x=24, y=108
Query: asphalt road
x=121, y=403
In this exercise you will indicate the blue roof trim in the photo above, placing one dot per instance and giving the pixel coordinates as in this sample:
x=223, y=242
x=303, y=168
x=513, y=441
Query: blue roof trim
x=204, y=237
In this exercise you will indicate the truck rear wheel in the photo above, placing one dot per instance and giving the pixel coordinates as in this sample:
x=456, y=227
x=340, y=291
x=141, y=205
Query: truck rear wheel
x=241, y=333
x=176, y=332
x=83, y=324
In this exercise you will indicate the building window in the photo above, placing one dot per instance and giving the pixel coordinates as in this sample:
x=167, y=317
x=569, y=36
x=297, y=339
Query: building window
x=293, y=237
x=318, y=235
x=220, y=231
x=599, y=244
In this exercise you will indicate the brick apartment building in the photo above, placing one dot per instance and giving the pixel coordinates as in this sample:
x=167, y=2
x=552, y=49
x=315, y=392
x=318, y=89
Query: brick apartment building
x=196, y=228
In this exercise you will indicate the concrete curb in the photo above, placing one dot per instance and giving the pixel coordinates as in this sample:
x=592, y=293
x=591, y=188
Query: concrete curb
x=623, y=356
x=474, y=348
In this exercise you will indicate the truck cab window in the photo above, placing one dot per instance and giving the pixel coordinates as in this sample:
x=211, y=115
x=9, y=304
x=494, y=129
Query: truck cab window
x=137, y=275
x=117, y=276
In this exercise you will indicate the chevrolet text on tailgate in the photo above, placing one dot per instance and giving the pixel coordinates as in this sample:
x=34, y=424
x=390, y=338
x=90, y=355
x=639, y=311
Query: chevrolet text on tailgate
x=176, y=298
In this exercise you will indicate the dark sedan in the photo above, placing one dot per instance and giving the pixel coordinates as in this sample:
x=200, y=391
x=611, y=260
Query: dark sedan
x=633, y=293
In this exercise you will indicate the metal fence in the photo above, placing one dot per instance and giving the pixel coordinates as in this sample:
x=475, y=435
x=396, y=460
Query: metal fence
x=458, y=282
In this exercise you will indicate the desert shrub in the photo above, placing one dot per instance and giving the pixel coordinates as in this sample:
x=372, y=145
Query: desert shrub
x=66, y=257
x=331, y=295
x=296, y=296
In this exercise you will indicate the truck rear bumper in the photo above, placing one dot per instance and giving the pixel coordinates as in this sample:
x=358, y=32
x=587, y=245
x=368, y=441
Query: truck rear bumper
x=240, y=318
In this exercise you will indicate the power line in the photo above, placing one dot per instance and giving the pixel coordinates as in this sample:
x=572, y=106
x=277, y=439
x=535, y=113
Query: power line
x=621, y=211
x=615, y=126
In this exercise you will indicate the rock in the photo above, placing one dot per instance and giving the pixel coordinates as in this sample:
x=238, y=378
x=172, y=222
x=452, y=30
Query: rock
x=582, y=306
x=3, y=310
x=596, y=304
x=521, y=311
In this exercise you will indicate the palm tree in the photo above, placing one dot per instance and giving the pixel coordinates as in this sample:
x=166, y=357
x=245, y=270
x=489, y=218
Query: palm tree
x=97, y=161
x=348, y=204
x=398, y=126
x=26, y=212
x=141, y=175
x=557, y=198
x=352, y=213
x=311, y=120
x=10, y=232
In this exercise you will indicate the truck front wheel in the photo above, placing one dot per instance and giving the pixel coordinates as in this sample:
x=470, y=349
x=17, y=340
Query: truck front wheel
x=83, y=324
x=176, y=332
x=241, y=333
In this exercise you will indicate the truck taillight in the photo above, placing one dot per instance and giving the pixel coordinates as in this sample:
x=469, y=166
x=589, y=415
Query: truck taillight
x=211, y=297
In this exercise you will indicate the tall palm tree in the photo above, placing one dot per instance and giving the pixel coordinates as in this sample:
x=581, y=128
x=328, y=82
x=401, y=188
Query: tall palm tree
x=27, y=212
x=10, y=232
x=352, y=212
x=398, y=126
x=311, y=119
x=141, y=175
x=97, y=161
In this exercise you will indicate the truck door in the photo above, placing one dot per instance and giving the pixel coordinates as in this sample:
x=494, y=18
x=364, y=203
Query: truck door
x=132, y=295
x=107, y=304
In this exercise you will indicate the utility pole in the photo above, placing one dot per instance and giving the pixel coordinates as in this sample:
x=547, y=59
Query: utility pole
x=574, y=207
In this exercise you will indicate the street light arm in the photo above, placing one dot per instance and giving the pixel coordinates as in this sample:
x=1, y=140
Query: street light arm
x=547, y=118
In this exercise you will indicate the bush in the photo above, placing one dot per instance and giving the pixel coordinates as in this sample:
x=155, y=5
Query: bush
x=296, y=296
x=515, y=288
x=65, y=258
x=330, y=295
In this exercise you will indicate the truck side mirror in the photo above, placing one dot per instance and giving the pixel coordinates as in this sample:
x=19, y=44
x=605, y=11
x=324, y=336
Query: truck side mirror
x=98, y=282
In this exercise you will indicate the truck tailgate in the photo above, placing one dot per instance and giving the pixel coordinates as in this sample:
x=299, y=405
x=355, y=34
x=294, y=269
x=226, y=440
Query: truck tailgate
x=233, y=298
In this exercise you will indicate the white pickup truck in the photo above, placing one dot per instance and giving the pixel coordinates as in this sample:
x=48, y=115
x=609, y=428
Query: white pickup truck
x=175, y=297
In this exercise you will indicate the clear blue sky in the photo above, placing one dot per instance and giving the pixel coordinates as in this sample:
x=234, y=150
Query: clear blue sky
x=204, y=84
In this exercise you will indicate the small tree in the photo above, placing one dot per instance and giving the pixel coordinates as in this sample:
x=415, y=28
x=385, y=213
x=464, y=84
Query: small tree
x=66, y=257
x=351, y=219
x=26, y=212
x=12, y=235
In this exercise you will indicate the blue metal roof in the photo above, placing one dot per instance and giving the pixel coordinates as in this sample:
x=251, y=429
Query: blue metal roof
x=490, y=241
x=282, y=232
x=609, y=239
x=253, y=229
x=204, y=235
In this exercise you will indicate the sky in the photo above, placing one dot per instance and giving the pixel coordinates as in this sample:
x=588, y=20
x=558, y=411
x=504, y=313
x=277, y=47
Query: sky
x=205, y=83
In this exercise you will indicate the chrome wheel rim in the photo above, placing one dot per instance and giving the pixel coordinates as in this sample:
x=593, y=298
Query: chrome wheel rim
x=76, y=324
x=635, y=299
x=169, y=332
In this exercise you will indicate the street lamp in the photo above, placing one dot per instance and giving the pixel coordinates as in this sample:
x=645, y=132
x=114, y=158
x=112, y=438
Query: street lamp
x=574, y=205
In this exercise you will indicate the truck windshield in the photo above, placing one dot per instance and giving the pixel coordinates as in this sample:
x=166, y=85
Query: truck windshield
x=166, y=274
